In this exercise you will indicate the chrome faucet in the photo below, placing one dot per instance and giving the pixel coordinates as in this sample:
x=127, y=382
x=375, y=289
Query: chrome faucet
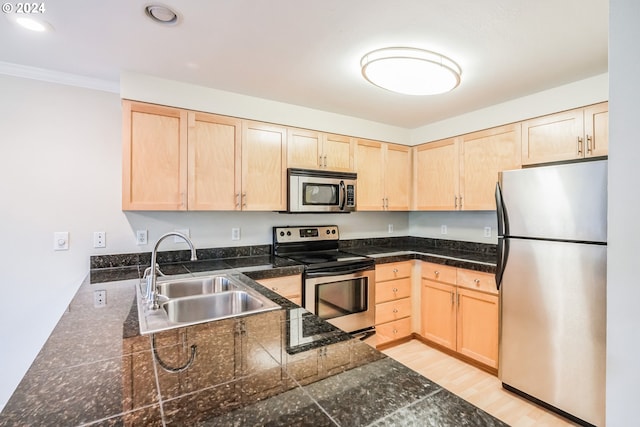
x=152, y=287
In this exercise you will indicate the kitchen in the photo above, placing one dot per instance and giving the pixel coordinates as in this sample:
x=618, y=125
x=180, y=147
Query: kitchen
x=52, y=198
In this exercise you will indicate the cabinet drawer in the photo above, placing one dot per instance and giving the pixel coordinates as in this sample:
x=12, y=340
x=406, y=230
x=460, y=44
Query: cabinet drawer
x=393, y=289
x=395, y=270
x=477, y=280
x=439, y=272
x=393, y=330
x=393, y=310
x=288, y=286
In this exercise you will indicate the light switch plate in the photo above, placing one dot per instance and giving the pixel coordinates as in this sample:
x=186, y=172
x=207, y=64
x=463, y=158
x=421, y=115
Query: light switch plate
x=61, y=241
x=141, y=237
x=235, y=234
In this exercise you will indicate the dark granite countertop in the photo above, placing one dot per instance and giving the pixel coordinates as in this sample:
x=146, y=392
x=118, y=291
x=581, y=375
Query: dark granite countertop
x=96, y=369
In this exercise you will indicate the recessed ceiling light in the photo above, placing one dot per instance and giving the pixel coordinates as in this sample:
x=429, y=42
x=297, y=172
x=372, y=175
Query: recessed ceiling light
x=410, y=71
x=161, y=14
x=31, y=23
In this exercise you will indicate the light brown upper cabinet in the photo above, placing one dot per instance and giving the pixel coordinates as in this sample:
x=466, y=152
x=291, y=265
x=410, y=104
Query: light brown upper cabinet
x=461, y=173
x=569, y=135
x=176, y=159
x=214, y=162
x=482, y=155
x=309, y=149
x=154, y=158
x=264, y=171
x=384, y=176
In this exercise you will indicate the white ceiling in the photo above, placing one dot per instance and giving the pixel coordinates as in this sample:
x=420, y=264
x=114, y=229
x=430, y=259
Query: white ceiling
x=308, y=52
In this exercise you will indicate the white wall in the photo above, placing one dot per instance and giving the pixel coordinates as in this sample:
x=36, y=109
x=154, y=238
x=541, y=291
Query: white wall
x=464, y=226
x=623, y=288
x=170, y=92
x=573, y=95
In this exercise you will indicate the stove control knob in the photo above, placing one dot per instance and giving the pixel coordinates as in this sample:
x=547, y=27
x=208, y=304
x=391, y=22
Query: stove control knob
x=333, y=231
x=328, y=231
x=281, y=233
x=288, y=233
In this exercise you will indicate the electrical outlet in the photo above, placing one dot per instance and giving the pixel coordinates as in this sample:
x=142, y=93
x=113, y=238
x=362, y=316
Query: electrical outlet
x=443, y=229
x=184, y=231
x=235, y=234
x=141, y=237
x=487, y=232
x=390, y=227
x=61, y=241
x=99, y=239
x=100, y=298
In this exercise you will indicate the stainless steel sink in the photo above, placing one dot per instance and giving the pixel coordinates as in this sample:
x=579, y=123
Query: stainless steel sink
x=195, y=286
x=213, y=306
x=192, y=300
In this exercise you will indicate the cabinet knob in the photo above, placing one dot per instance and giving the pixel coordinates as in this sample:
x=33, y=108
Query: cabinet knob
x=274, y=288
x=437, y=273
x=395, y=270
x=476, y=281
x=395, y=331
x=395, y=310
x=394, y=290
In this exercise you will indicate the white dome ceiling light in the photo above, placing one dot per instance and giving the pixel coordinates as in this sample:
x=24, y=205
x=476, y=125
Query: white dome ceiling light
x=410, y=71
x=161, y=14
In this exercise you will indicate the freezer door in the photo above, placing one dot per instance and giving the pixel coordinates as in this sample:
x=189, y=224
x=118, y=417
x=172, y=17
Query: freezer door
x=564, y=202
x=552, y=338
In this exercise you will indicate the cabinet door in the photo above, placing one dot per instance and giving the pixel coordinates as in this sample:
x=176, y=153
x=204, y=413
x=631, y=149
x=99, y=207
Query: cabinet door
x=436, y=175
x=338, y=152
x=397, y=177
x=596, y=129
x=439, y=313
x=369, y=167
x=154, y=158
x=214, y=162
x=483, y=155
x=477, y=325
x=553, y=138
x=304, y=149
x=289, y=287
x=264, y=150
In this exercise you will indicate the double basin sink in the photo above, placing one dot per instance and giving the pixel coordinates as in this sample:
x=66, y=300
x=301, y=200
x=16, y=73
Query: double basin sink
x=192, y=300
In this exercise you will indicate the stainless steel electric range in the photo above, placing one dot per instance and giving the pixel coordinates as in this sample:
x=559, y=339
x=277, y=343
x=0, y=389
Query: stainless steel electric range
x=338, y=286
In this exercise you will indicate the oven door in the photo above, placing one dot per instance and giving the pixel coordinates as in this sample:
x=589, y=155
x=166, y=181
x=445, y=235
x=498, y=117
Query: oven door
x=345, y=301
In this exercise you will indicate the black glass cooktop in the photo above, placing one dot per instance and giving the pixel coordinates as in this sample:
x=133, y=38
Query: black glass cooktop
x=324, y=257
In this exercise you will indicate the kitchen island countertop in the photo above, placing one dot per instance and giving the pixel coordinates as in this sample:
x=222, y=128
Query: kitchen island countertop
x=95, y=369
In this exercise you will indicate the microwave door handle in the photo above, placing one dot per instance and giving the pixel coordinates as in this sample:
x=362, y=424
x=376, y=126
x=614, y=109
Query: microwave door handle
x=343, y=194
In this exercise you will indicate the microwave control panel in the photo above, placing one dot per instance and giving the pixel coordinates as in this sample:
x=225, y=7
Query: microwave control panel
x=351, y=195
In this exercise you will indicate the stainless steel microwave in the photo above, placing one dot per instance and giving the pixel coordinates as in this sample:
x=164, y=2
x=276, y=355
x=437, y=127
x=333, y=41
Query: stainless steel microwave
x=321, y=191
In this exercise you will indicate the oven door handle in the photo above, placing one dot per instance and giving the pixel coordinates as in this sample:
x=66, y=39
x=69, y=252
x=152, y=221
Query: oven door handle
x=338, y=271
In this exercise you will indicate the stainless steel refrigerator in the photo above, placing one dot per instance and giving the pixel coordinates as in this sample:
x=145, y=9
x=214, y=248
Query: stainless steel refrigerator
x=551, y=272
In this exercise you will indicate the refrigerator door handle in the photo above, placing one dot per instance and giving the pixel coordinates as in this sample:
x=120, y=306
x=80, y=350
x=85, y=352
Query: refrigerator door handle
x=503, y=254
x=503, y=225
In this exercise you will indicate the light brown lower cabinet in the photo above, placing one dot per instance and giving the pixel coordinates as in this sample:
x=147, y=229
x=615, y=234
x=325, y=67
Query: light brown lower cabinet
x=289, y=287
x=393, y=302
x=460, y=311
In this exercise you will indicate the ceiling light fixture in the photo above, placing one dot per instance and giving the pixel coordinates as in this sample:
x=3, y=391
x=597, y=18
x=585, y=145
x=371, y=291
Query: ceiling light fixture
x=410, y=71
x=161, y=14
